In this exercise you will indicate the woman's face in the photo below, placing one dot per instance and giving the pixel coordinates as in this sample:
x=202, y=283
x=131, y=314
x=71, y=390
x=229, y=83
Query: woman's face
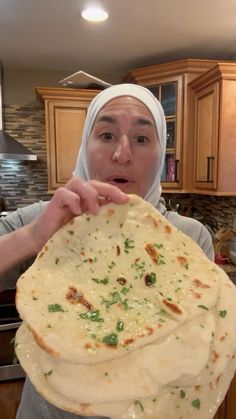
x=123, y=147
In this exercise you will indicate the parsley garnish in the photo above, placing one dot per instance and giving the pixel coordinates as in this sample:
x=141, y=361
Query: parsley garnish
x=182, y=394
x=204, y=307
x=196, y=403
x=93, y=315
x=46, y=374
x=103, y=281
x=222, y=313
x=138, y=403
x=111, y=339
x=129, y=244
x=57, y=261
x=52, y=308
x=119, y=326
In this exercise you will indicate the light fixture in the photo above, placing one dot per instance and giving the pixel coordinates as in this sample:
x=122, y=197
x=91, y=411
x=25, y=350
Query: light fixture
x=94, y=14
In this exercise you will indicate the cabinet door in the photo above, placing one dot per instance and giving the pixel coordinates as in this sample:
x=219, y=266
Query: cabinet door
x=169, y=93
x=65, y=122
x=206, y=137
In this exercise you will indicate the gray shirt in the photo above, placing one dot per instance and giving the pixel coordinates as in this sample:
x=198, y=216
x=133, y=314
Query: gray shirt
x=34, y=406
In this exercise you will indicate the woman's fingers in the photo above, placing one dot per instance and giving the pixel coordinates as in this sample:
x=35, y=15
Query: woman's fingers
x=91, y=192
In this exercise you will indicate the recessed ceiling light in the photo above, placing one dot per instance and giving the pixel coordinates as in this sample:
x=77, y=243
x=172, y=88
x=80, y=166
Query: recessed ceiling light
x=94, y=14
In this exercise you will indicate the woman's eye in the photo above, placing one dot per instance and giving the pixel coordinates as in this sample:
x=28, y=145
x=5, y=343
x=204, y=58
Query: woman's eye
x=141, y=139
x=106, y=136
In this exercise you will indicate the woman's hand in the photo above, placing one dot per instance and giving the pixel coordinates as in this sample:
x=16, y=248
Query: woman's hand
x=75, y=198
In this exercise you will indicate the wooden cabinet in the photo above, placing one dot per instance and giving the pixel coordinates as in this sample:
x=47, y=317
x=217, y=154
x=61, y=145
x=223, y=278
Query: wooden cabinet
x=10, y=395
x=65, y=112
x=214, y=130
x=169, y=83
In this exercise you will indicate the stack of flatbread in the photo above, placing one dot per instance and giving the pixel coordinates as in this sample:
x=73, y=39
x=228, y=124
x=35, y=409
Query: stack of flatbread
x=124, y=316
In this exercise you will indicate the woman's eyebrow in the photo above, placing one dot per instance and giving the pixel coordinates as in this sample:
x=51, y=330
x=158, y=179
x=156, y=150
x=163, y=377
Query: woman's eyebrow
x=144, y=121
x=106, y=118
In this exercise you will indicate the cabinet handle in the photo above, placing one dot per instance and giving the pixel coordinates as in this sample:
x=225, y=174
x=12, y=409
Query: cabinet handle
x=209, y=168
x=176, y=170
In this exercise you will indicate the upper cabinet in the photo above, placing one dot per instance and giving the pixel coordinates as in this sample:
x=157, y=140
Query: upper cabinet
x=213, y=121
x=169, y=83
x=65, y=113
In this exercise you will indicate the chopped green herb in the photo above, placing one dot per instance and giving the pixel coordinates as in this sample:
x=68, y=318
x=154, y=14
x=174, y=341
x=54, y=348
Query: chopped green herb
x=35, y=298
x=138, y=403
x=196, y=403
x=93, y=336
x=115, y=298
x=106, y=373
x=112, y=264
x=52, y=308
x=222, y=313
x=186, y=265
x=57, y=261
x=182, y=394
x=49, y=326
x=103, y=281
x=119, y=326
x=125, y=290
x=46, y=374
x=93, y=315
x=88, y=218
x=111, y=339
x=129, y=244
x=158, y=245
x=71, y=232
x=204, y=307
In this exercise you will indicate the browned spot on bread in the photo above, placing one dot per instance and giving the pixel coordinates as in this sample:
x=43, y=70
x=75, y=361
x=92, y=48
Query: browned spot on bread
x=218, y=379
x=200, y=284
x=88, y=345
x=121, y=280
x=197, y=388
x=152, y=219
x=110, y=212
x=215, y=356
x=149, y=329
x=128, y=341
x=74, y=296
x=159, y=325
x=40, y=341
x=211, y=386
x=224, y=336
x=82, y=253
x=172, y=307
x=182, y=260
x=90, y=260
x=233, y=356
x=71, y=221
x=151, y=250
x=118, y=250
x=168, y=229
x=196, y=294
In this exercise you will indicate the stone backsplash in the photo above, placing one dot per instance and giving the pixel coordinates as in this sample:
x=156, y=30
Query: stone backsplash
x=24, y=183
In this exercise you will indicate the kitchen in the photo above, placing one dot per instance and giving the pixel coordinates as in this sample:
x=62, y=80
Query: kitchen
x=25, y=182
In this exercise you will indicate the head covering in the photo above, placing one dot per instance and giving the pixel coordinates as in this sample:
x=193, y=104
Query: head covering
x=148, y=99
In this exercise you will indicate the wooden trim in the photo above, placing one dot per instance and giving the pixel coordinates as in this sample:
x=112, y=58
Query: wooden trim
x=55, y=93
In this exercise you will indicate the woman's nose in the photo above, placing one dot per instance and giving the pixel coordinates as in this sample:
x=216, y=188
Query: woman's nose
x=123, y=153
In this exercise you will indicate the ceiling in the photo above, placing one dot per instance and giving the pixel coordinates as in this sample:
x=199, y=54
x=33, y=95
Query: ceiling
x=51, y=35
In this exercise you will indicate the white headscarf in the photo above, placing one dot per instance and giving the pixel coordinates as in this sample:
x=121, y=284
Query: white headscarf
x=149, y=100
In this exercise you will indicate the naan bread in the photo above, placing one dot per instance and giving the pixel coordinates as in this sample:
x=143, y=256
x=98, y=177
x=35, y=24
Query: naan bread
x=111, y=283
x=125, y=317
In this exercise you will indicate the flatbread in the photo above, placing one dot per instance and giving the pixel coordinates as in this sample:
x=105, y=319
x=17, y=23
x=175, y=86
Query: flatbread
x=111, y=283
x=169, y=313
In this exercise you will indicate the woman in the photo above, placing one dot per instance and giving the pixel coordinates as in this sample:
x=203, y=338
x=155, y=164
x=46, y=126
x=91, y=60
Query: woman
x=123, y=145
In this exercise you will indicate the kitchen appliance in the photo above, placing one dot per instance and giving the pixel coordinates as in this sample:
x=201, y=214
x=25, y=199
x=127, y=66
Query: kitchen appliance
x=9, y=322
x=9, y=147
